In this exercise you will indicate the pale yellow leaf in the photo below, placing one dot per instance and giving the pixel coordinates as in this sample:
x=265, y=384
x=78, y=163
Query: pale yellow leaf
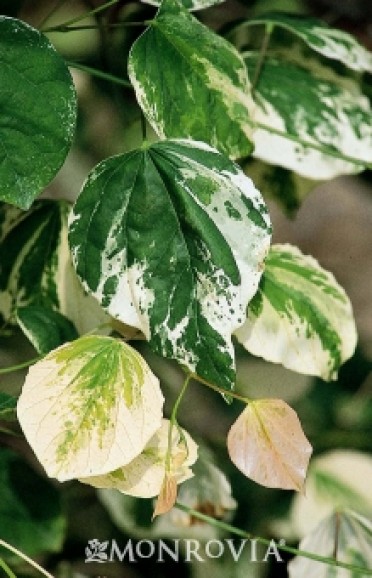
x=267, y=444
x=89, y=407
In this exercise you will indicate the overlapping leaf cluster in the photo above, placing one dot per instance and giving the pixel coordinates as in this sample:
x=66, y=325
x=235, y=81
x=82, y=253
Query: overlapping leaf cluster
x=172, y=239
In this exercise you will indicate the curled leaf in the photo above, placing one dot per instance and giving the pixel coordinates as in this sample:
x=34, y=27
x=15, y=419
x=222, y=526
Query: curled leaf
x=267, y=444
x=167, y=497
x=89, y=407
x=144, y=476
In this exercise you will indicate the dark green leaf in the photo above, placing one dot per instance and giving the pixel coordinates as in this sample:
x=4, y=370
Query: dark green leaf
x=37, y=112
x=8, y=404
x=45, y=328
x=156, y=236
x=31, y=518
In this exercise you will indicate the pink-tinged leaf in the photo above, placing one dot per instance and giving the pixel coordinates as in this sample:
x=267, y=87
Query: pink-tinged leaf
x=267, y=444
x=167, y=497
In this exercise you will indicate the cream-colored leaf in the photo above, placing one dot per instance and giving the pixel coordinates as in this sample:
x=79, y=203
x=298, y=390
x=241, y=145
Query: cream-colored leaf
x=167, y=497
x=143, y=477
x=89, y=407
x=267, y=444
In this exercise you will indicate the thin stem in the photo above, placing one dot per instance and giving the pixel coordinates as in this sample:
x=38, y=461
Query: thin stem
x=83, y=16
x=267, y=542
x=19, y=365
x=6, y=569
x=25, y=558
x=263, y=52
x=143, y=127
x=52, y=11
x=64, y=28
x=99, y=74
x=173, y=422
x=220, y=389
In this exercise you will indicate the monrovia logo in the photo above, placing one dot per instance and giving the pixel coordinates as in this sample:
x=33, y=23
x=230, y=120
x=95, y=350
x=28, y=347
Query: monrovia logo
x=186, y=550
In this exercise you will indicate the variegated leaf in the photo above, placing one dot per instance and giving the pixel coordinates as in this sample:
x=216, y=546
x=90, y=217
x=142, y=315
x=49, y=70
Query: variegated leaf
x=344, y=535
x=89, y=407
x=336, y=480
x=300, y=316
x=189, y=4
x=308, y=124
x=37, y=112
x=329, y=42
x=36, y=268
x=156, y=236
x=144, y=476
x=268, y=445
x=201, y=89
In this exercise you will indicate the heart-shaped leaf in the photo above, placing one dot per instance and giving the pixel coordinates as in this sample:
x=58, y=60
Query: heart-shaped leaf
x=267, y=444
x=89, y=407
x=144, y=476
x=37, y=112
x=201, y=90
x=156, y=237
x=300, y=316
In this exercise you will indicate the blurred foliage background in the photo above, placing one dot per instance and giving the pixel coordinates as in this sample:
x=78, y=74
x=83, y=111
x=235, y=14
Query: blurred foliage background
x=333, y=222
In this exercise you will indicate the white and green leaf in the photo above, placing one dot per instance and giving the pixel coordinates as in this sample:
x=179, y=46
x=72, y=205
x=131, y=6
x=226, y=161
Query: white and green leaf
x=37, y=112
x=156, y=237
x=345, y=535
x=143, y=477
x=89, y=407
x=330, y=42
x=189, y=4
x=36, y=267
x=308, y=124
x=300, y=316
x=201, y=89
x=336, y=480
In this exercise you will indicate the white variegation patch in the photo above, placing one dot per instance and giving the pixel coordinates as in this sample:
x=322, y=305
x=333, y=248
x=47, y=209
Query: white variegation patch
x=300, y=317
x=329, y=42
x=143, y=477
x=191, y=5
x=297, y=131
x=89, y=407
